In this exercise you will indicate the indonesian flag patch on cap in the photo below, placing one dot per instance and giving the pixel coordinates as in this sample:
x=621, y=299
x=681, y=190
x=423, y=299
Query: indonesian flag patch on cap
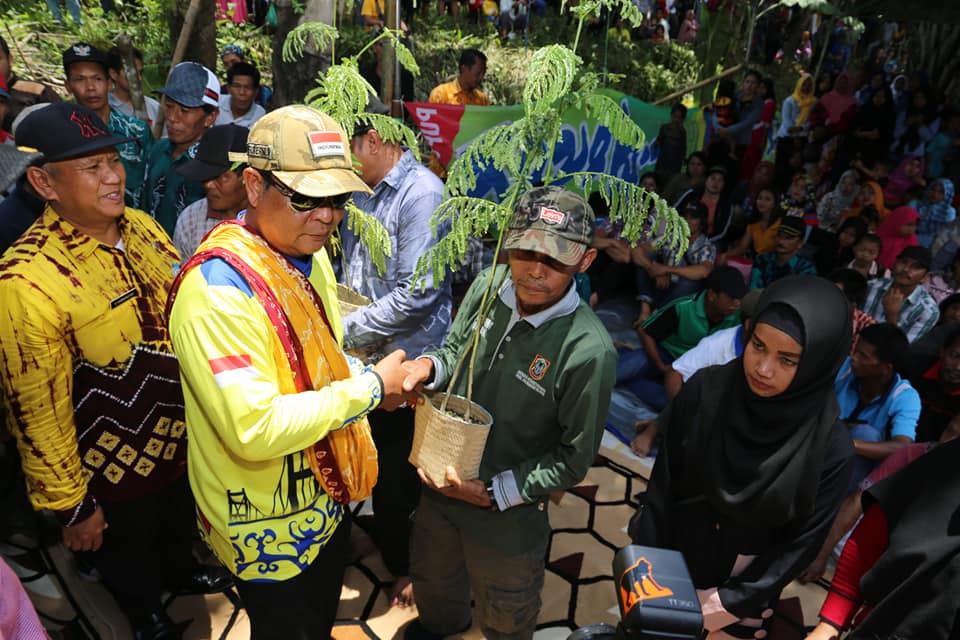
x=325, y=144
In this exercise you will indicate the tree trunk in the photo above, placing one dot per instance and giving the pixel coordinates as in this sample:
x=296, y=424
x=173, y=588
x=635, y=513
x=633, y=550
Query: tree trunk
x=933, y=48
x=202, y=45
x=292, y=80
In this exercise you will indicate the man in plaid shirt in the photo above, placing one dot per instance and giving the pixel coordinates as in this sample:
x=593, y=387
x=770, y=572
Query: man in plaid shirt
x=901, y=300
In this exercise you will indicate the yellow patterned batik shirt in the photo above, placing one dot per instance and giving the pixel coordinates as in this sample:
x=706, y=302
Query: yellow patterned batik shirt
x=88, y=375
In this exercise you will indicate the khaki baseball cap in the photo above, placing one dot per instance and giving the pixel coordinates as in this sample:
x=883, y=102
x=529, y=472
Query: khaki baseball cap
x=305, y=149
x=552, y=221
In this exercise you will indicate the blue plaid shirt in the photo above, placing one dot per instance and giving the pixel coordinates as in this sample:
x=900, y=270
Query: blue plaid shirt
x=401, y=316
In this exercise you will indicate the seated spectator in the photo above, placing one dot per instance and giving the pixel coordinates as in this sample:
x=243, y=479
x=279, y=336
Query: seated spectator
x=897, y=232
x=935, y=210
x=870, y=195
x=238, y=107
x=865, y=253
x=880, y=408
x=719, y=215
x=906, y=183
x=939, y=389
x=754, y=447
x=675, y=329
x=799, y=201
x=745, y=193
x=854, y=286
x=950, y=310
x=613, y=272
x=119, y=96
x=23, y=93
x=837, y=250
x=672, y=144
x=851, y=509
x=692, y=178
x=832, y=205
x=720, y=347
x=945, y=283
x=901, y=300
x=668, y=275
x=222, y=181
x=784, y=260
x=761, y=235
x=897, y=576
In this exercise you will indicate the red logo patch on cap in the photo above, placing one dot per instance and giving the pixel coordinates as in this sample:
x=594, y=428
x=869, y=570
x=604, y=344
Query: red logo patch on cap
x=87, y=127
x=325, y=144
x=552, y=216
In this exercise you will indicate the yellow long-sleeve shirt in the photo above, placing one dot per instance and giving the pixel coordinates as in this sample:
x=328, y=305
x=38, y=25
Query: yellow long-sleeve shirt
x=261, y=509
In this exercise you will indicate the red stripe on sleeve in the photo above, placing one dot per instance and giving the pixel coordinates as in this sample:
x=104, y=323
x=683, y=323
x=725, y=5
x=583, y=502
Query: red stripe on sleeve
x=228, y=363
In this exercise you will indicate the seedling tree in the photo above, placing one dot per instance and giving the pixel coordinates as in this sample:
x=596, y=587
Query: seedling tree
x=522, y=149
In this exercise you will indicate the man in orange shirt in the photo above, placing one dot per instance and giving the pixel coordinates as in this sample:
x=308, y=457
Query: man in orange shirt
x=465, y=89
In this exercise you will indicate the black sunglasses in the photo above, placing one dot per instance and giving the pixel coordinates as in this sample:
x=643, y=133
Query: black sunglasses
x=302, y=203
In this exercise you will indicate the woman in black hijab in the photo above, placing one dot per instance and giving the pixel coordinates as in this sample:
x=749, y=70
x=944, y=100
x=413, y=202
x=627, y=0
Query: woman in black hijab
x=754, y=462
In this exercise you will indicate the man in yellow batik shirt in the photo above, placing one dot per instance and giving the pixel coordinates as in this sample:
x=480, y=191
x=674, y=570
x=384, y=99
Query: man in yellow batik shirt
x=88, y=374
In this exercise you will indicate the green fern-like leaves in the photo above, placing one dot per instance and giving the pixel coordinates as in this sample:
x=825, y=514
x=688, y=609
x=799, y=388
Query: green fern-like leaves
x=321, y=34
x=608, y=113
x=646, y=216
x=371, y=233
x=552, y=71
x=342, y=93
x=465, y=217
x=405, y=57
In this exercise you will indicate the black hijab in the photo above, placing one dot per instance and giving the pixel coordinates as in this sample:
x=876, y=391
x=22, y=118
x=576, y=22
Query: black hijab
x=759, y=458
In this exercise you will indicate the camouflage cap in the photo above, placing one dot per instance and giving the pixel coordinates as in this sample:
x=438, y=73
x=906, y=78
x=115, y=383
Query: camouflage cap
x=552, y=221
x=305, y=149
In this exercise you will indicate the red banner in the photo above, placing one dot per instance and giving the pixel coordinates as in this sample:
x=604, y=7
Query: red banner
x=439, y=124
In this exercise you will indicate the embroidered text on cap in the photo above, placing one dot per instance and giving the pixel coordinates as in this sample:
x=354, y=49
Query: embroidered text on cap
x=324, y=144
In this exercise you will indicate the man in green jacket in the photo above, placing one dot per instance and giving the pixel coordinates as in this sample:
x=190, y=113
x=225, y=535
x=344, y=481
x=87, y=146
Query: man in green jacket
x=545, y=371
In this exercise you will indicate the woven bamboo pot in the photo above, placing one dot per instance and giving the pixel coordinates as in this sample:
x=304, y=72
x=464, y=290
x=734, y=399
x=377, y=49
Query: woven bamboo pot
x=441, y=440
x=350, y=300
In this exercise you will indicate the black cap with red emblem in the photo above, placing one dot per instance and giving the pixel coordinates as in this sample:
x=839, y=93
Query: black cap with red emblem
x=65, y=130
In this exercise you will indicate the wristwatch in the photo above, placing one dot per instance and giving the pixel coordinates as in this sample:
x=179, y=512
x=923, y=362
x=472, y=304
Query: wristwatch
x=492, y=497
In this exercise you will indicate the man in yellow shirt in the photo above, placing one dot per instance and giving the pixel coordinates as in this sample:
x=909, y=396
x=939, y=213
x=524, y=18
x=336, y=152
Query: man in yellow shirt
x=255, y=324
x=465, y=88
x=89, y=378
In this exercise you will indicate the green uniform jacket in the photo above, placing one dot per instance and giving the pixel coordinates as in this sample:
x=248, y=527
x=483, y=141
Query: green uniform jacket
x=548, y=388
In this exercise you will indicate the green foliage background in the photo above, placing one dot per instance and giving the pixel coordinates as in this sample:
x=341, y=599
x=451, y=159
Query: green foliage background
x=643, y=69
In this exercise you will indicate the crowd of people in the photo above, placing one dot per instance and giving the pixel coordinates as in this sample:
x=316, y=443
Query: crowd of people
x=173, y=359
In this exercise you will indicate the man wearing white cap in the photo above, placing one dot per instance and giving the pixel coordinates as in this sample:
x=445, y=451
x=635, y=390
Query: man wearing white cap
x=255, y=322
x=190, y=107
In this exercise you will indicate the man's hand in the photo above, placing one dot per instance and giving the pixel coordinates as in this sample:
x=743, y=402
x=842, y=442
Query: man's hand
x=392, y=373
x=472, y=491
x=419, y=372
x=86, y=535
x=657, y=270
x=663, y=282
x=815, y=571
x=892, y=303
x=619, y=251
